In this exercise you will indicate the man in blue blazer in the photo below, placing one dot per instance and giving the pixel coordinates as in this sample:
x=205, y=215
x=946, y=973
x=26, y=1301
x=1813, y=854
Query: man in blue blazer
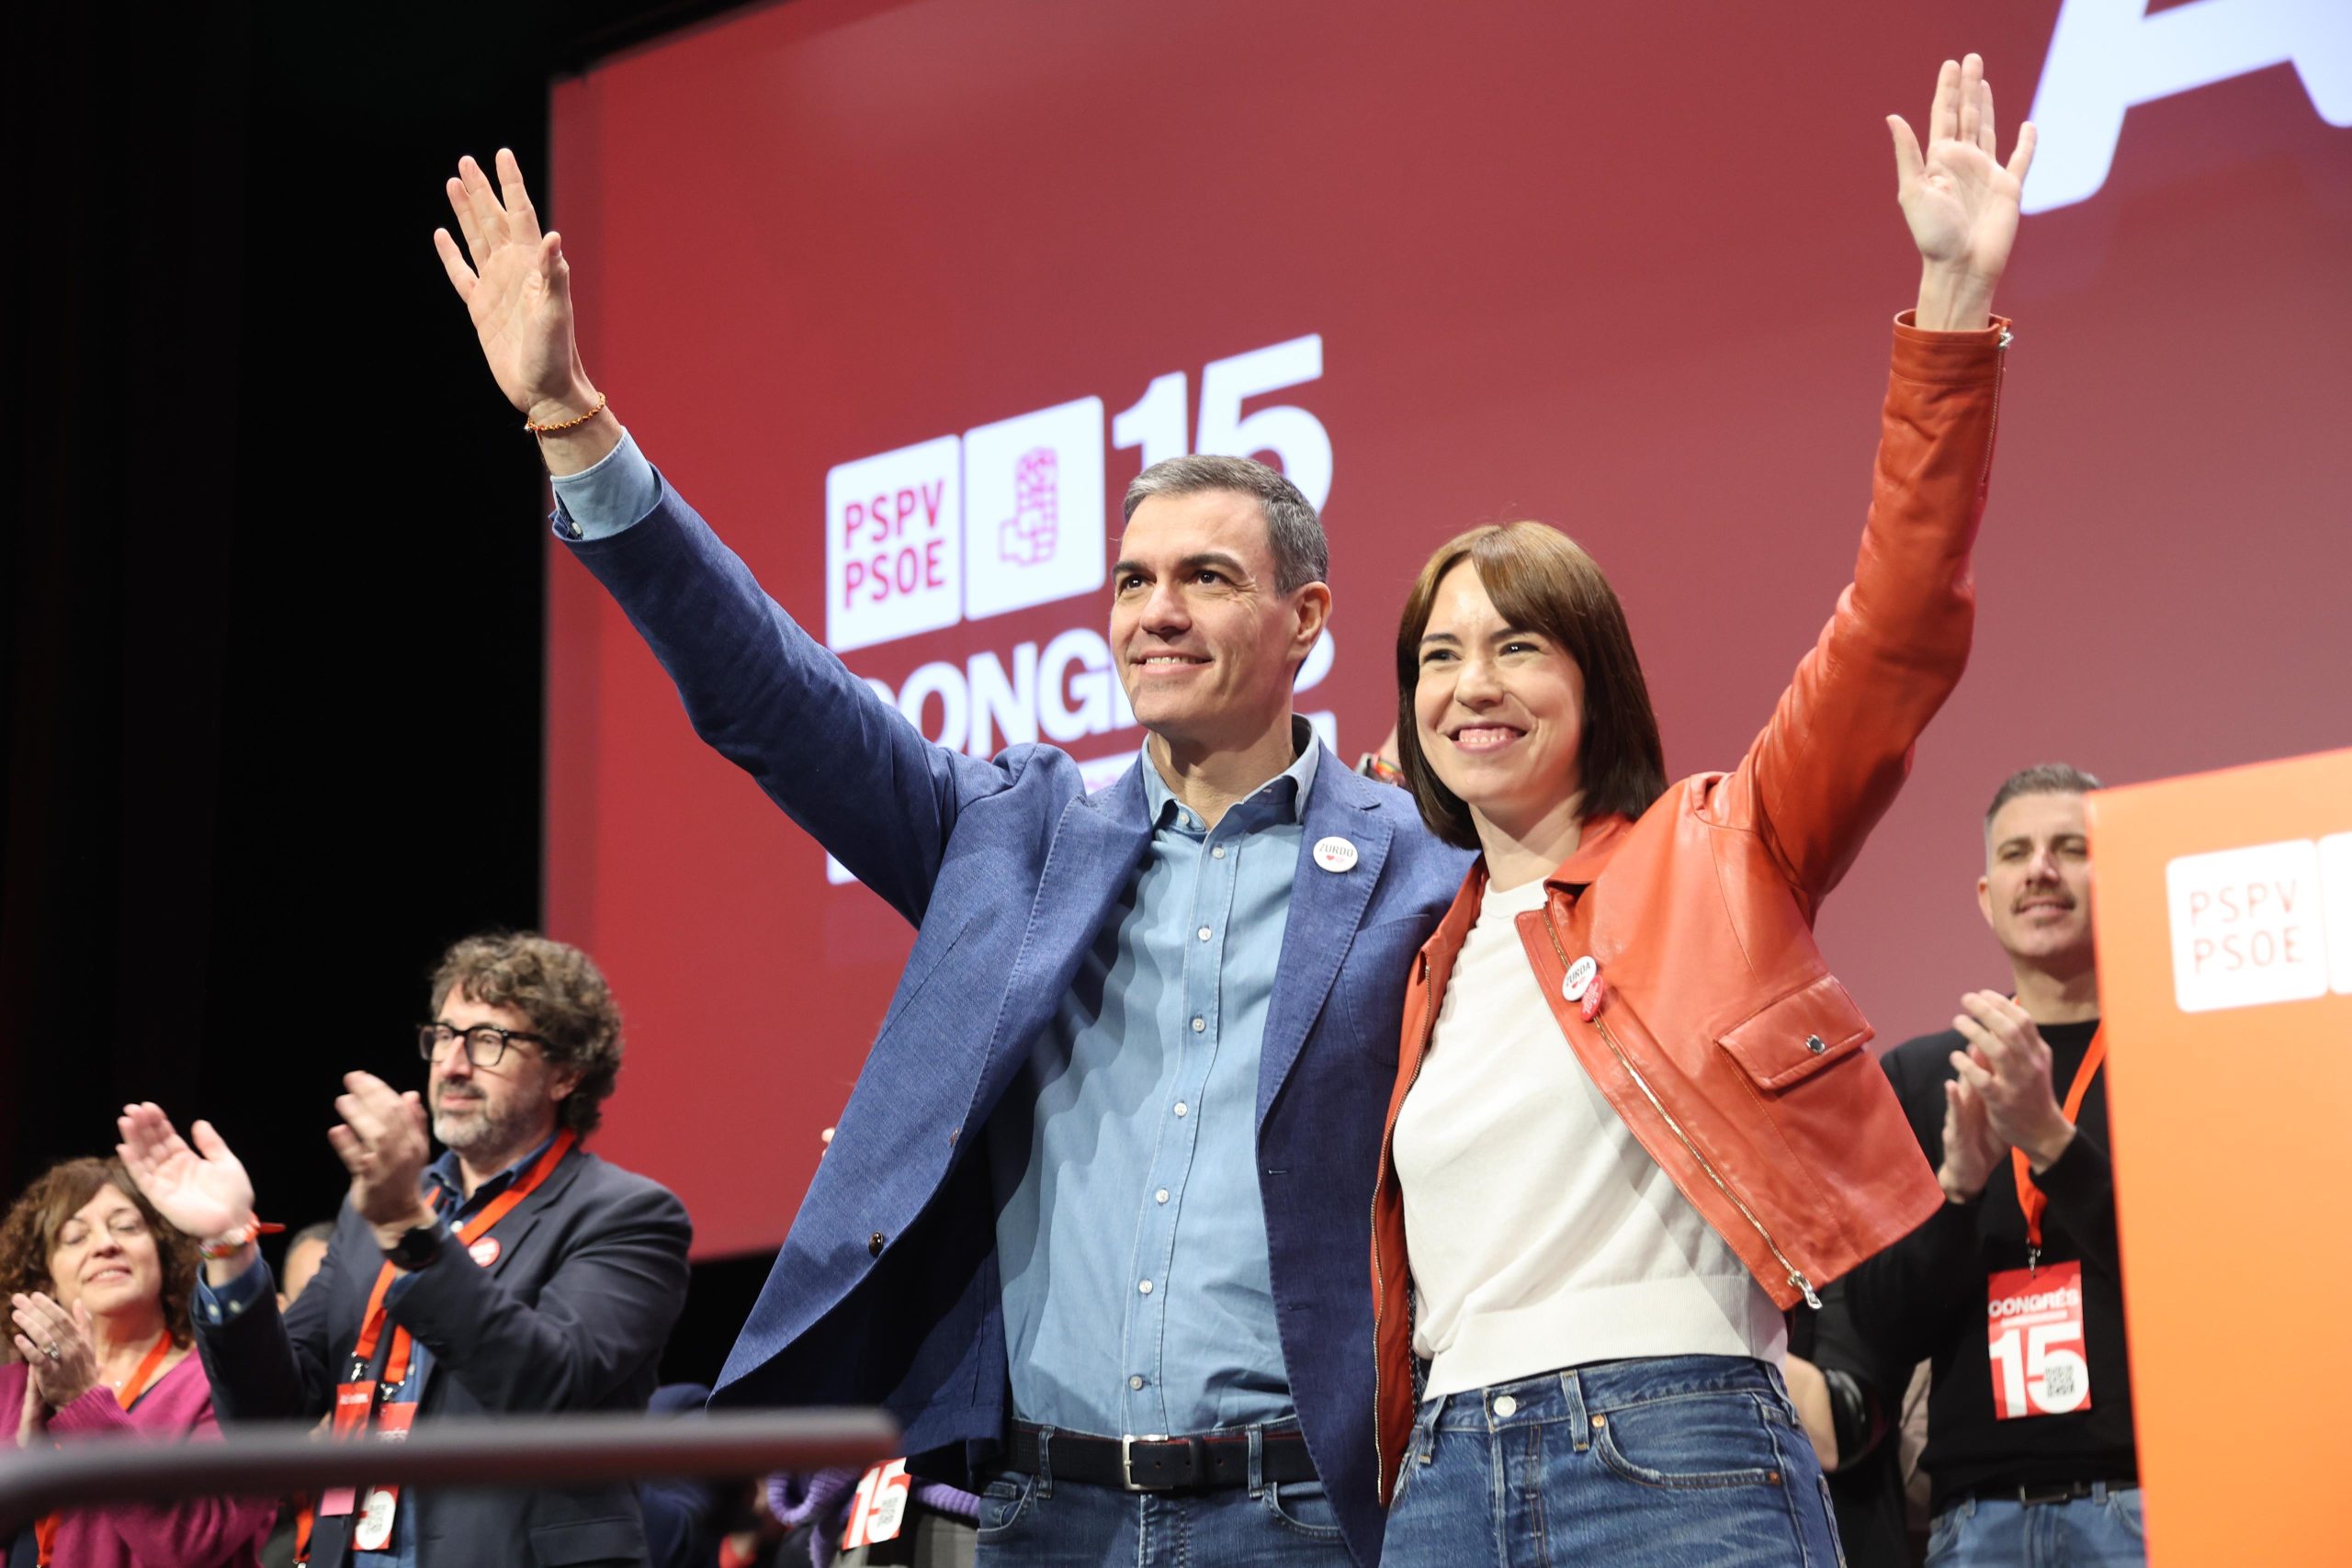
x=1107, y=1175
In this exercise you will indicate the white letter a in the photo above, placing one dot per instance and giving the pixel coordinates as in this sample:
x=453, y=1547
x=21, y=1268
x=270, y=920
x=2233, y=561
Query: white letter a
x=2107, y=55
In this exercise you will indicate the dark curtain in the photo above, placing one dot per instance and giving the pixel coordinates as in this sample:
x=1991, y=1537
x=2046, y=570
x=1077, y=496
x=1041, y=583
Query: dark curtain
x=270, y=726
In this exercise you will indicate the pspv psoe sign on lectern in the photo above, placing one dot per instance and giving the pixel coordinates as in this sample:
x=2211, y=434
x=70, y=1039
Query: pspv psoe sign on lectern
x=2222, y=907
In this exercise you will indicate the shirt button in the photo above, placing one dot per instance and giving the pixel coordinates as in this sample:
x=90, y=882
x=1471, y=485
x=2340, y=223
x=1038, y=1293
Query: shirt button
x=1506, y=1406
x=1136, y=1382
x=1179, y=1108
x=875, y=1243
x=1200, y=1024
x=1204, y=934
x=1143, y=1289
x=1161, y=1196
x=1217, y=854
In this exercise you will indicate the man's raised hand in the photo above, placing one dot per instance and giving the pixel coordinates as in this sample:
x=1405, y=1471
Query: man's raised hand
x=1959, y=199
x=518, y=292
x=203, y=1190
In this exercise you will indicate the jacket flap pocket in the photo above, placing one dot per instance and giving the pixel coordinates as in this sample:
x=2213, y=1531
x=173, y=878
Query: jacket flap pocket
x=619, y=1538
x=1786, y=1041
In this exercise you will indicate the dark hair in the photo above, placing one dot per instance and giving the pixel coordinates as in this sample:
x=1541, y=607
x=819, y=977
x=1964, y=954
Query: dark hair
x=1542, y=580
x=28, y=1235
x=561, y=991
x=1301, y=554
x=2042, y=778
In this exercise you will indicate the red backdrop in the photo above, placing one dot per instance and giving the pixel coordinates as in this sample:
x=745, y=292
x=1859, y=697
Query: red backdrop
x=1626, y=269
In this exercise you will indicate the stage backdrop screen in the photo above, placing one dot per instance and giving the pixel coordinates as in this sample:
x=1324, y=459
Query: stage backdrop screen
x=900, y=296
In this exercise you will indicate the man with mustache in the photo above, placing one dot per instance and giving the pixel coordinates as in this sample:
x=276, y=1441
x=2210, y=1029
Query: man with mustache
x=515, y=1274
x=2012, y=1290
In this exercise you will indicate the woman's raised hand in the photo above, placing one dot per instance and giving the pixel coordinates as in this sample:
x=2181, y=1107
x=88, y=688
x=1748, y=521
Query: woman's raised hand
x=203, y=1190
x=1959, y=199
x=518, y=292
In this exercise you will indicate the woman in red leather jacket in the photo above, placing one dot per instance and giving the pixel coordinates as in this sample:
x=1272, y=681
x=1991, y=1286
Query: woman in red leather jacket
x=1589, y=1248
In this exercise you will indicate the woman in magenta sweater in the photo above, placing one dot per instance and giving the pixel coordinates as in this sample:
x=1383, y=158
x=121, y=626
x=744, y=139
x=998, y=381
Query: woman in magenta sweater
x=99, y=1293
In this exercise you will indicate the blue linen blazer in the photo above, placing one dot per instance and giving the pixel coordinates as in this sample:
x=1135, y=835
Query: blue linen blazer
x=886, y=1291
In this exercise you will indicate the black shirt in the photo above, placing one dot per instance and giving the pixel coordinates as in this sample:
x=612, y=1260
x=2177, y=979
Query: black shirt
x=1925, y=1297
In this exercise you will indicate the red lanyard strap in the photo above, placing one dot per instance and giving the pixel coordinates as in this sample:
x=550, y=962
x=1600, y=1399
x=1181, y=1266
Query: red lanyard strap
x=2032, y=1199
x=372, y=1326
x=128, y=1395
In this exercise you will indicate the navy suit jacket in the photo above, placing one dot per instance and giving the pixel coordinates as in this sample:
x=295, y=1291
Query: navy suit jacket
x=886, y=1291
x=571, y=1315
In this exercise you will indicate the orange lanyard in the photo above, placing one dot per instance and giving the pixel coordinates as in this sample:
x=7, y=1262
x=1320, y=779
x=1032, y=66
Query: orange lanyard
x=45, y=1530
x=371, y=1328
x=2032, y=1199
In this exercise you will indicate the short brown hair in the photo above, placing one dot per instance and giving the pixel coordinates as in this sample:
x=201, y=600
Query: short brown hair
x=1542, y=580
x=2042, y=778
x=29, y=1235
x=561, y=991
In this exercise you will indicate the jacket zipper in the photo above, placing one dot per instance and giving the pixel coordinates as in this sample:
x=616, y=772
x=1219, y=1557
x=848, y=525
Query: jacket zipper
x=2000, y=373
x=1379, y=1277
x=1795, y=1276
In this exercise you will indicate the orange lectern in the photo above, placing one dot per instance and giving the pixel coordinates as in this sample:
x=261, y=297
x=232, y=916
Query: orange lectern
x=2223, y=917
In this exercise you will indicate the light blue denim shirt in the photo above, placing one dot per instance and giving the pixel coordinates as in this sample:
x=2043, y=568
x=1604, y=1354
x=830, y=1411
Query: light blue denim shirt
x=1139, y=1293
x=1131, y=1239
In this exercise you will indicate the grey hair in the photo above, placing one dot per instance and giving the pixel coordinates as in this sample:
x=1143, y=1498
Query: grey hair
x=1302, y=555
x=2042, y=778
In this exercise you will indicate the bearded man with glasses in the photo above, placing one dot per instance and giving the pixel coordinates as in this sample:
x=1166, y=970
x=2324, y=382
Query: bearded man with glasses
x=515, y=1274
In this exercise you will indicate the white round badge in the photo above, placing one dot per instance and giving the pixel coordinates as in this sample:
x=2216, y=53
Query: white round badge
x=1578, y=979
x=485, y=1251
x=1335, y=853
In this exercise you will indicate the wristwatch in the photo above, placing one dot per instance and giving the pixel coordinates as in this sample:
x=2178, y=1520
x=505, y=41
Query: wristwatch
x=416, y=1248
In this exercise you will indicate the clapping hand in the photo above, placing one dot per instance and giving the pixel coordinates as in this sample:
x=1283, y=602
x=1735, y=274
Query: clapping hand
x=1971, y=1148
x=2008, y=1067
x=203, y=1189
x=382, y=1142
x=61, y=1360
x=1960, y=200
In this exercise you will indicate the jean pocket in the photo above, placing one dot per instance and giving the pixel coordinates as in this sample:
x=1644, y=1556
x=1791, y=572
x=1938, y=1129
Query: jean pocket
x=1302, y=1508
x=1691, y=1441
x=1943, y=1536
x=1004, y=1506
x=2124, y=1509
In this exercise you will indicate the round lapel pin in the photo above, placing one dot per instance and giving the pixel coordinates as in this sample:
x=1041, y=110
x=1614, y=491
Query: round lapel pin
x=485, y=1251
x=1578, y=979
x=1335, y=853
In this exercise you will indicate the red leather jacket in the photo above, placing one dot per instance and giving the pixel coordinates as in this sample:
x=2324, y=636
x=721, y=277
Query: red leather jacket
x=1722, y=1039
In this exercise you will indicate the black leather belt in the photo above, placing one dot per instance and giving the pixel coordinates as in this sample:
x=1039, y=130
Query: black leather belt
x=1163, y=1464
x=2046, y=1492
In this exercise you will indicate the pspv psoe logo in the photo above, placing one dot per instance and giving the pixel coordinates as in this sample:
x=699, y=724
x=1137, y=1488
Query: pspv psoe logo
x=2265, y=923
x=1004, y=516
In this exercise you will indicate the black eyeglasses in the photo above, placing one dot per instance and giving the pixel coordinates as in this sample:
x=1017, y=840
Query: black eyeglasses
x=485, y=1043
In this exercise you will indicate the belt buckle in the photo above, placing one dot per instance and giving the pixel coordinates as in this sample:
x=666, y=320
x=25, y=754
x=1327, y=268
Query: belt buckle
x=1127, y=1462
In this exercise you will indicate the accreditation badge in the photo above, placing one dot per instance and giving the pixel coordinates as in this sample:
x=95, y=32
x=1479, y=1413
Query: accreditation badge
x=378, y=1505
x=880, y=1510
x=2033, y=1321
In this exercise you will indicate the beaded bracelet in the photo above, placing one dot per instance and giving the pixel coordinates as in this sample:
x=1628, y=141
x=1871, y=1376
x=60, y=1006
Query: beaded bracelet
x=567, y=425
x=230, y=1242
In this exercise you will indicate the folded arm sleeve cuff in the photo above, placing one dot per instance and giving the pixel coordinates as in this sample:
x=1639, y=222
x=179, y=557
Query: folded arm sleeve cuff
x=614, y=493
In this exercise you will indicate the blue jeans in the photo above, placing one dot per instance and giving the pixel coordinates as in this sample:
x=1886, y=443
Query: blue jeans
x=1029, y=1520
x=1656, y=1462
x=2102, y=1531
